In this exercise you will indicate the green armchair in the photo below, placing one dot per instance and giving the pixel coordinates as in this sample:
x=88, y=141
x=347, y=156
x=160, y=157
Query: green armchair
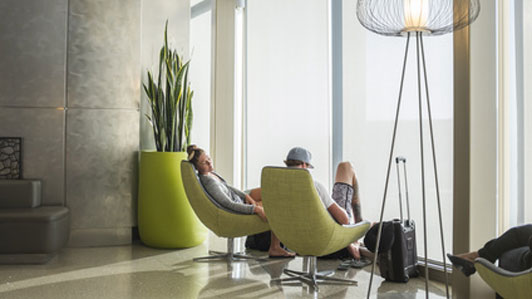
x=298, y=218
x=222, y=222
x=510, y=285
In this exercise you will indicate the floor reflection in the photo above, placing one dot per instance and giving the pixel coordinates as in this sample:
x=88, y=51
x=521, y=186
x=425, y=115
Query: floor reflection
x=137, y=271
x=416, y=289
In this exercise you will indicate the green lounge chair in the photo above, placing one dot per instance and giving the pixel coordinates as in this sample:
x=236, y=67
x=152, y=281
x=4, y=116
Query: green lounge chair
x=510, y=285
x=222, y=222
x=299, y=219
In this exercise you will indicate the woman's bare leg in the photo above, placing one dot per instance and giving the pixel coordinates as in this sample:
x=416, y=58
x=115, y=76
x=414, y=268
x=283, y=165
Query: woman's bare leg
x=276, y=249
x=254, y=197
x=256, y=194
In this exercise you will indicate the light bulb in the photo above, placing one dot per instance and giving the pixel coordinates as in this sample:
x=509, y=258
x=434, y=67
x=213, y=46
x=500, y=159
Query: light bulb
x=416, y=14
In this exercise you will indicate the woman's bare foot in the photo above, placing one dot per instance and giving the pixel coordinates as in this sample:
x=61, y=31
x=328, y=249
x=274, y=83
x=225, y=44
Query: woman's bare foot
x=276, y=250
x=353, y=249
x=280, y=252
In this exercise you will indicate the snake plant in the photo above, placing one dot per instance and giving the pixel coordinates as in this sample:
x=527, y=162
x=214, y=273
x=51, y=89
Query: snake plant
x=170, y=101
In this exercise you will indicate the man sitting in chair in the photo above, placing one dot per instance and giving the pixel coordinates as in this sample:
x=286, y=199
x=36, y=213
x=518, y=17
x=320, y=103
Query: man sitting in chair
x=517, y=240
x=344, y=206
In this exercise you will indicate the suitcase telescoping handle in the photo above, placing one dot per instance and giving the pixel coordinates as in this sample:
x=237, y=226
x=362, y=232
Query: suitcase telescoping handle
x=398, y=160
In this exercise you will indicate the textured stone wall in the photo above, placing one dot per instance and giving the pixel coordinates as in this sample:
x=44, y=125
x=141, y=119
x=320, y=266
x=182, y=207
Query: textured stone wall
x=70, y=87
x=32, y=88
x=102, y=122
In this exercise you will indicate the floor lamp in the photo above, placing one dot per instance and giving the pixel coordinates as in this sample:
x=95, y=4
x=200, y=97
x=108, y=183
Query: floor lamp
x=406, y=18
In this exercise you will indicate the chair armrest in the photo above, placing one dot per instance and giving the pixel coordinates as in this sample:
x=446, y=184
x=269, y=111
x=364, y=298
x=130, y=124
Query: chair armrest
x=490, y=266
x=356, y=224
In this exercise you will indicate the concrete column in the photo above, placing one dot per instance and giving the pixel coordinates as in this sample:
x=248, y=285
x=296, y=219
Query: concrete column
x=223, y=121
x=102, y=135
x=475, y=144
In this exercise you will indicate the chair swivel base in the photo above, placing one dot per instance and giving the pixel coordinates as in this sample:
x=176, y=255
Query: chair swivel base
x=229, y=256
x=312, y=277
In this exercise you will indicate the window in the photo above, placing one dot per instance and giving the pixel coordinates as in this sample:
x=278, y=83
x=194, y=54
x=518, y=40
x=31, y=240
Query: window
x=516, y=74
x=288, y=85
x=201, y=70
x=287, y=102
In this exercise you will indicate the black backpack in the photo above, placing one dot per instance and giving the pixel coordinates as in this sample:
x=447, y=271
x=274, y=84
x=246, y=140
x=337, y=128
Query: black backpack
x=260, y=241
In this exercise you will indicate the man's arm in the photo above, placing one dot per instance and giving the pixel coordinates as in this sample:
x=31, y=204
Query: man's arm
x=338, y=213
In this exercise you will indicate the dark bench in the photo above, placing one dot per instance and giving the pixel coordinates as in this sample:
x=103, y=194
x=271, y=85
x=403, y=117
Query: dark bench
x=30, y=233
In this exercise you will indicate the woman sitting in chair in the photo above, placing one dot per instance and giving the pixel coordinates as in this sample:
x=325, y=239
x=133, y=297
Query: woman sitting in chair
x=230, y=197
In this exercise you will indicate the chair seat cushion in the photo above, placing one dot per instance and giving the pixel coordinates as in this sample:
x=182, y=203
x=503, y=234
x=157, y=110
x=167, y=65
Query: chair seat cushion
x=40, y=214
x=37, y=230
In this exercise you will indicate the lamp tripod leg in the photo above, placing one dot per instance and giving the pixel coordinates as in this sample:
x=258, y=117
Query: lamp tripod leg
x=389, y=165
x=422, y=165
x=435, y=167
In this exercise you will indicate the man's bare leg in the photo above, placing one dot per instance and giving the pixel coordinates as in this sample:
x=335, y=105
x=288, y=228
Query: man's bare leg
x=354, y=250
x=355, y=203
x=345, y=173
x=470, y=256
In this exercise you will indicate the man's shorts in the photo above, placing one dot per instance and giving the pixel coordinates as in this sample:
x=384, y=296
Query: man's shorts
x=342, y=194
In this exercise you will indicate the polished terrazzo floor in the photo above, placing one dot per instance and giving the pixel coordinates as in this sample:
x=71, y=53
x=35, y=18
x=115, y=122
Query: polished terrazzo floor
x=140, y=272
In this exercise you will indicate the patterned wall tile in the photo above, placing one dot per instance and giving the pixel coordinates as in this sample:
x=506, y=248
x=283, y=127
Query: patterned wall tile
x=42, y=130
x=33, y=53
x=102, y=159
x=104, y=54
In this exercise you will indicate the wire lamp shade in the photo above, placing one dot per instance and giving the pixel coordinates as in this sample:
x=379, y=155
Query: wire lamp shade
x=432, y=17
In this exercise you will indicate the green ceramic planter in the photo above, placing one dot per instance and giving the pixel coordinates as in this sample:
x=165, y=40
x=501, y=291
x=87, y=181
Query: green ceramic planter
x=165, y=217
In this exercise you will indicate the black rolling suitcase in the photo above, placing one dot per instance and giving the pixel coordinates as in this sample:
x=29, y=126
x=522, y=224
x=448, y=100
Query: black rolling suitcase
x=399, y=263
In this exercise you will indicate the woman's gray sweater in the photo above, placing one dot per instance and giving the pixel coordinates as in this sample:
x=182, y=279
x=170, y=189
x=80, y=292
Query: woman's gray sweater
x=227, y=196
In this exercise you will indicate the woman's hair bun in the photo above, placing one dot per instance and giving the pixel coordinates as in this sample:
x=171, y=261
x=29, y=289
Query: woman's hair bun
x=191, y=148
x=194, y=152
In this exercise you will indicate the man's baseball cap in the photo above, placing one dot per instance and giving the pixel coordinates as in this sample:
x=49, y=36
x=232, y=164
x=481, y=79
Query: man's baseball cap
x=300, y=154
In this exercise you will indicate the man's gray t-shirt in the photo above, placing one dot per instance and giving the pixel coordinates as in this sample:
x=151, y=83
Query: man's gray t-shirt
x=326, y=199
